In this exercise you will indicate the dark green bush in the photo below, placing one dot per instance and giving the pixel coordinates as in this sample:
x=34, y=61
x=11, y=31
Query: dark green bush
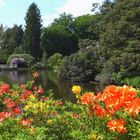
x=3, y=56
x=79, y=67
x=118, y=68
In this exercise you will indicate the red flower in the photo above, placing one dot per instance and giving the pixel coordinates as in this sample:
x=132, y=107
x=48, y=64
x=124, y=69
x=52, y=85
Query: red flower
x=5, y=87
x=17, y=110
x=35, y=87
x=29, y=92
x=23, y=96
x=1, y=117
x=40, y=90
x=24, y=122
x=5, y=115
x=8, y=114
x=11, y=104
x=99, y=110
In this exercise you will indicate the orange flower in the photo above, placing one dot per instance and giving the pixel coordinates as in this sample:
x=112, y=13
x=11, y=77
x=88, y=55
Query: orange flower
x=118, y=98
x=87, y=98
x=99, y=110
x=117, y=125
x=134, y=107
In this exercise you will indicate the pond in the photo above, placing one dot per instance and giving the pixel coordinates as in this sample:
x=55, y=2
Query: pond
x=49, y=80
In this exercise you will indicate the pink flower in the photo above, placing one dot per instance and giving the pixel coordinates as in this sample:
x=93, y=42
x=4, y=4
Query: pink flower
x=36, y=74
x=40, y=90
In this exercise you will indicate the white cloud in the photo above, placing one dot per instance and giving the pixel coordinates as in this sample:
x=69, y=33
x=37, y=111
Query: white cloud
x=2, y=2
x=74, y=7
x=48, y=18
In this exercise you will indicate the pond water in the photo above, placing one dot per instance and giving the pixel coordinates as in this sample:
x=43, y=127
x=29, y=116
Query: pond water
x=61, y=89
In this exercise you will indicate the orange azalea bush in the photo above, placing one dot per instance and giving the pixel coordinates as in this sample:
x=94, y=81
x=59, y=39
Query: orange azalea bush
x=118, y=108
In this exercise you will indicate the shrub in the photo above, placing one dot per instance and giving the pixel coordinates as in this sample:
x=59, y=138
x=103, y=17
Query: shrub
x=27, y=57
x=119, y=67
x=113, y=114
x=55, y=61
x=79, y=67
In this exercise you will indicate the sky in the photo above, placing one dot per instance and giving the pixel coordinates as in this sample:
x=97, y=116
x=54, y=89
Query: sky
x=14, y=11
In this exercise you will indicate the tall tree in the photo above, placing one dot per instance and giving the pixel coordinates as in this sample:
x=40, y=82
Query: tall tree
x=60, y=37
x=12, y=38
x=31, y=41
x=120, y=39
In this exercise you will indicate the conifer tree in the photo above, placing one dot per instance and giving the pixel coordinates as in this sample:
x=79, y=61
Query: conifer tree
x=31, y=41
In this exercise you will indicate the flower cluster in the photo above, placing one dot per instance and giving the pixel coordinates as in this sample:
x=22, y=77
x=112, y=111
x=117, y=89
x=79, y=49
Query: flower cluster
x=117, y=125
x=87, y=98
x=15, y=98
x=110, y=102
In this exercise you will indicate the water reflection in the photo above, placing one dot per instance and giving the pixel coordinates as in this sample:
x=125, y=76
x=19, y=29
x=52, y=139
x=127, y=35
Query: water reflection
x=61, y=89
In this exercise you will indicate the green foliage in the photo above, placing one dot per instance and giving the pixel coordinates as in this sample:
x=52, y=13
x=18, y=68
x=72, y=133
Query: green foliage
x=3, y=56
x=28, y=58
x=134, y=81
x=119, y=42
x=79, y=67
x=82, y=25
x=31, y=40
x=10, y=39
x=55, y=61
x=12, y=130
x=59, y=37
